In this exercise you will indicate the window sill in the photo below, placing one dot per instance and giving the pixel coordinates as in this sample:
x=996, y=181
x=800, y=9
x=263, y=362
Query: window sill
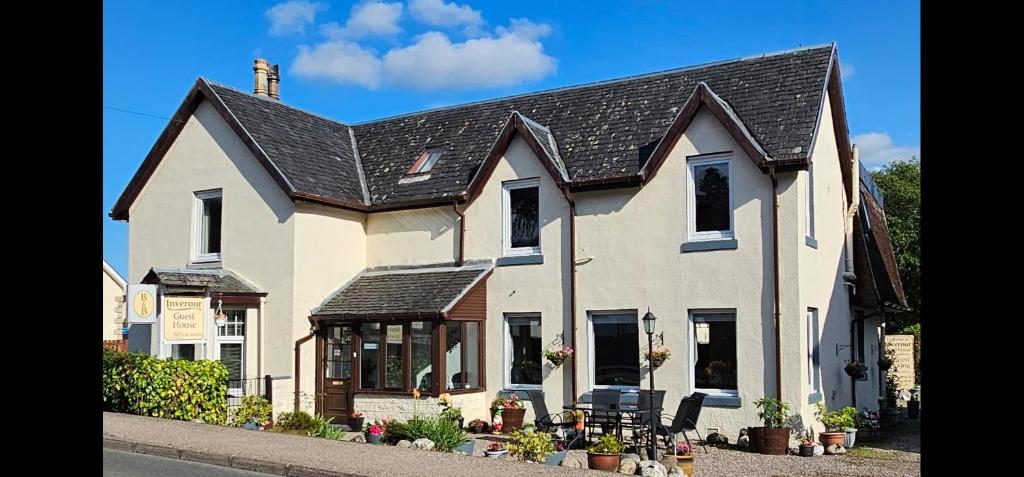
x=723, y=401
x=704, y=245
x=204, y=264
x=534, y=259
x=811, y=242
x=814, y=397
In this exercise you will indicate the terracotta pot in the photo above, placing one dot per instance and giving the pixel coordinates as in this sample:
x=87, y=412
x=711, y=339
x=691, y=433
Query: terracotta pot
x=806, y=451
x=609, y=462
x=685, y=464
x=770, y=440
x=829, y=438
x=511, y=420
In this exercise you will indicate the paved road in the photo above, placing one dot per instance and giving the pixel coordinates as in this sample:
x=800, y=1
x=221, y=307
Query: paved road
x=129, y=464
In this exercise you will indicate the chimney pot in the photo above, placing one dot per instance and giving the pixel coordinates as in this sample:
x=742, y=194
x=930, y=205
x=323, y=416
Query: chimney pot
x=274, y=82
x=261, y=69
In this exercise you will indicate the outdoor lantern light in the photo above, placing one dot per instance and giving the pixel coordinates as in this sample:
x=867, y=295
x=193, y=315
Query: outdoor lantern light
x=649, y=328
x=649, y=322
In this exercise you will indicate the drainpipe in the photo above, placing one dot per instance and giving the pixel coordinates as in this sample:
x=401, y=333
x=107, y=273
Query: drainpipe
x=298, y=360
x=778, y=307
x=462, y=234
x=850, y=275
x=572, y=285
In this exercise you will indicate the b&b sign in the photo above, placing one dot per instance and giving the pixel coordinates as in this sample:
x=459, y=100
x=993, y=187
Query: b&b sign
x=141, y=304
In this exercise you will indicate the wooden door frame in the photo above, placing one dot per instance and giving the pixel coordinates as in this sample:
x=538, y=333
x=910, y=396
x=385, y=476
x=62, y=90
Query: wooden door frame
x=321, y=378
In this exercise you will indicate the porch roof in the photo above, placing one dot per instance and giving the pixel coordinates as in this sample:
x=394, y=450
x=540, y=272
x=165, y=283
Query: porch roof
x=426, y=291
x=200, y=281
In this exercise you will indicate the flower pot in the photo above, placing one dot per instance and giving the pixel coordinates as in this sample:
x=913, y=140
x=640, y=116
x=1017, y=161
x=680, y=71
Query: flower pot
x=477, y=428
x=556, y=362
x=495, y=454
x=609, y=462
x=806, y=451
x=511, y=419
x=373, y=439
x=356, y=424
x=685, y=464
x=851, y=435
x=656, y=363
x=770, y=440
x=829, y=438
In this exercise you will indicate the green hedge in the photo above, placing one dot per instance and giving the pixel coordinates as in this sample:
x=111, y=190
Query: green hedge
x=140, y=384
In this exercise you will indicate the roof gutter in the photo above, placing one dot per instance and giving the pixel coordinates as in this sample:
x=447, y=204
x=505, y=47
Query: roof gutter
x=775, y=259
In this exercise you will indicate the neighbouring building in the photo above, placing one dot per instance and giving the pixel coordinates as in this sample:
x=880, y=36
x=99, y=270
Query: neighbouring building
x=444, y=250
x=113, y=303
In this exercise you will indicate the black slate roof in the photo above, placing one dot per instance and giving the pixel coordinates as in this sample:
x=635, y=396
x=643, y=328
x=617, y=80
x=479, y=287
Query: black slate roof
x=214, y=281
x=427, y=291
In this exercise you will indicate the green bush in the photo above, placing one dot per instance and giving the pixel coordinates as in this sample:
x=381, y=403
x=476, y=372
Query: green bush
x=773, y=412
x=530, y=446
x=322, y=428
x=445, y=434
x=836, y=421
x=255, y=409
x=294, y=421
x=140, y=384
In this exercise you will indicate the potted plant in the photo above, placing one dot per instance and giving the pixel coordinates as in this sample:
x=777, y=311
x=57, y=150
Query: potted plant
x=657, y=357
x=511, y=416
x=835, y=425
x=558, y=357
x=849, y=421
x=530, y=446
x=374, y=431
x=477, y=426
x=684, y=458
x=355, y=420
x=773, y=437
x=856, y=369
x=495, y=450
x=604, y=455
x=807, y=447
x=448, y=411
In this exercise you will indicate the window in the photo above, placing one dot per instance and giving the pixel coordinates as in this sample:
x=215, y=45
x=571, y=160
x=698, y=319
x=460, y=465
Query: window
x=615, y=350
x=183, y=351
x=813, y=356
x=400, y=357
x=231, y=347
x=369, y=364
x=338, y=356
x=207, y=226
x=234, y=325
x=425, y=162
x=453, y=357
x=394, y=356
x=523, y=351
x=713, y=348
x=710, y=199
x=422, y=343
x=810, y=200
x=521, y=220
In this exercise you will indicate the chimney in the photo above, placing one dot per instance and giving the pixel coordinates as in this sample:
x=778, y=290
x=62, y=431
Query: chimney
x=261, y=77
x=274, y=82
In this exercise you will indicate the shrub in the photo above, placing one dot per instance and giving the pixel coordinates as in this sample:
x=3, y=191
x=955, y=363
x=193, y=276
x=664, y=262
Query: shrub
x=773, y=412
x=254, y=409
x=836, y=421
x=445, y=434
x=294, y=421
x=530, y=446
x=607, y=444
x=140, y=384
x=322, y=428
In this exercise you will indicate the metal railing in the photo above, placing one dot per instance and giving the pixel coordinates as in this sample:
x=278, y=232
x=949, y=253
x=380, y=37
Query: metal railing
x=250, y=386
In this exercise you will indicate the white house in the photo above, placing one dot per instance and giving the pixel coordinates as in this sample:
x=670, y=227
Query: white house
x=113, y=303
x=445, y=250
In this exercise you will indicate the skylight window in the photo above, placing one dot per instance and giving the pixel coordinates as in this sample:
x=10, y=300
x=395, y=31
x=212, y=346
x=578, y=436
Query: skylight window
x=426, y=160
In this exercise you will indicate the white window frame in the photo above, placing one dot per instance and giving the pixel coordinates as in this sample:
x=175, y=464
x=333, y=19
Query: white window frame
x=507, y=351
x=506, y=218
x=809, y=222
x=197, y=226
x=691, y=199
x=813, y=346
x=707, y=316
x=219, y=340
x=591, y=315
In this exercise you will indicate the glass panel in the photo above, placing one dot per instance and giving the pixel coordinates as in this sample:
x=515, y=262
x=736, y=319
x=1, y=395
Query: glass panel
x=393, y=377
x=523, y=204
x=234, y=325
x=183, y=351
x=338, y=352
x=616, y=350
x=369, y=376
x=431, y=160
x=421, y=365
x=716, y=361
x=472, y=344
x=453, y=357
x=231, y=357
x=211, y=225
x=524, y=334
x=712, y=201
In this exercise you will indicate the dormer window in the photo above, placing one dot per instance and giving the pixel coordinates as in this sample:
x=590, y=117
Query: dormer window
x=426, y=160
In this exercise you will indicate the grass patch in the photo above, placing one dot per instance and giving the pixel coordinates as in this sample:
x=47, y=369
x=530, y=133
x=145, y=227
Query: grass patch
x=869, y=453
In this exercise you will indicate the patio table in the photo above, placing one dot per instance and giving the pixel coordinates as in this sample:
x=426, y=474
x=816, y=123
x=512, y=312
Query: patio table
x=631, y=412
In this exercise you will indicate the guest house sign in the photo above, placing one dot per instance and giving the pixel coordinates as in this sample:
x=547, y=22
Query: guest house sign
x=141, y=304
x=903, y=364
x=183, y=318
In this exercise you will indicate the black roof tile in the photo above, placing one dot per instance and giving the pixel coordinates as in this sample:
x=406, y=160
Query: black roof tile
x=426, y=291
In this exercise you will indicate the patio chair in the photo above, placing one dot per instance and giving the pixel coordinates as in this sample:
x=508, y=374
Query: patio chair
x=550, y=423
x=684, y=420
x=604, y=405
x=642, y=424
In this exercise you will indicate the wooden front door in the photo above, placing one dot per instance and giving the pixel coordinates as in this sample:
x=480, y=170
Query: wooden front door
x=337, y=377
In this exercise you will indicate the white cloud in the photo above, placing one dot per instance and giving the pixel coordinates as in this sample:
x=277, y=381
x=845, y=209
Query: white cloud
x=846, y=70
x=877, y=150
x=339, y=61
x=438, y=13
x=524, y=28
x=434, y=62
x=368, y=18
x=292, y=16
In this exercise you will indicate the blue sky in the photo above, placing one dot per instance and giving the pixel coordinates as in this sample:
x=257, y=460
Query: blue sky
x=359, y=60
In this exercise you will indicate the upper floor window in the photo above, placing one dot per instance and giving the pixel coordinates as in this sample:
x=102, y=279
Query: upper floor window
x=710, y=198
x=810, y=200
x=207, y=226
x=426, y=161
x=521, y=217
